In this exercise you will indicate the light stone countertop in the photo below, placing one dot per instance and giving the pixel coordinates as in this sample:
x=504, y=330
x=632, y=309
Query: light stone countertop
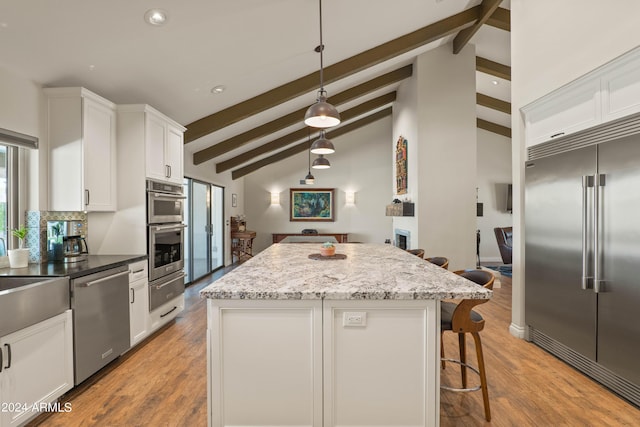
x=371, y=271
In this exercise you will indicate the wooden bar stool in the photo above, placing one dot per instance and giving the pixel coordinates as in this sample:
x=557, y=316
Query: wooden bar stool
x=440, y=261
x=461, y=319
x=417, y=252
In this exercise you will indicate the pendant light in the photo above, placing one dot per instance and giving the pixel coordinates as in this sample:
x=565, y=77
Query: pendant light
x=321, y=114
x=321, y=163
x=309, y=179
x=322, y=145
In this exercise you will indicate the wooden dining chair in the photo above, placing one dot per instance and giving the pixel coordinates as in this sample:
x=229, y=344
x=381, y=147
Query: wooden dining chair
x=458, y=317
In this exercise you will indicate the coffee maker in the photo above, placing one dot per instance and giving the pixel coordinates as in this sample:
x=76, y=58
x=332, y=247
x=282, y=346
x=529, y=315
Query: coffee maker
x=67, y=241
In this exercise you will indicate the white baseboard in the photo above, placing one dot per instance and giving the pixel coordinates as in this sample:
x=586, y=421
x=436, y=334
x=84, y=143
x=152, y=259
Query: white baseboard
x=518, y=331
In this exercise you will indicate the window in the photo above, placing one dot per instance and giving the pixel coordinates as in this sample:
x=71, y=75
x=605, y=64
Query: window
x=4, y=185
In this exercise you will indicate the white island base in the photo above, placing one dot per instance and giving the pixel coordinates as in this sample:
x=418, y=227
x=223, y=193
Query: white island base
x=299, y=363
x=294, y=341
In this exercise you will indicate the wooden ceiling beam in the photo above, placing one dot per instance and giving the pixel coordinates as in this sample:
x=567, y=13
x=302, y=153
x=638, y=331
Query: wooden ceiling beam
x=303, y=133
x=332, y=73
x=494, y=103
x=273, y=126
x=493, y=127
x=487, y=8
x=501, y=19
x=349, y=127
x=494, y=68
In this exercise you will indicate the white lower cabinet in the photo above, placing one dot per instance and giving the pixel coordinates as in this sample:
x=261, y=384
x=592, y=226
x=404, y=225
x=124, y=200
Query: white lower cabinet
x=165, y=313
x=138, y=302
x=323, y=363
x=37, y=368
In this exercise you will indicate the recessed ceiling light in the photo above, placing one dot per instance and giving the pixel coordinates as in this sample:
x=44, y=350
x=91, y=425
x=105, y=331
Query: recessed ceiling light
x=92, y=67
x=495, y=82
x=155, y=17
x=218, y=89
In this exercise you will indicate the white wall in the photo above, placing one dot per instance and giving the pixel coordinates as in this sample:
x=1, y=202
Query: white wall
x=361, y=164
x=21, y=110
x=436, y=112
x=494, y=172
x=552, y=43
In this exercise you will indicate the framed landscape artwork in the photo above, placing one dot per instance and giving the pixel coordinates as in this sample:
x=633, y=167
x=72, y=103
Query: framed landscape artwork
x=401, y=166
x=312, y=205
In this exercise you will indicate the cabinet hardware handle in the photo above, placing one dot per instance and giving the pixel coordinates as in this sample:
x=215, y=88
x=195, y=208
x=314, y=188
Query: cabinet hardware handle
x=169, y=312
x=133, y=296
x=104, y=279
x=557, y=134
x=137, y=271
x=8, y=356
x=86, y=197
x=1, y=361
x=169, y=171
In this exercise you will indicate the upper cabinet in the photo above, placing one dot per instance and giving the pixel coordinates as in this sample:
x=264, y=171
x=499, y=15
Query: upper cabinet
x=607, y=93
x=162, y=137
x=82, y=150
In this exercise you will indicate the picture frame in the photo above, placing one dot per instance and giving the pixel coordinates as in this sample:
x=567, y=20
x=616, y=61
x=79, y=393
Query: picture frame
x=234, y=200
x=312, y=205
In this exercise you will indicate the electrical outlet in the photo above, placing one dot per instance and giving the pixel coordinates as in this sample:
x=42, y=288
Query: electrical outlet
x=354, y=318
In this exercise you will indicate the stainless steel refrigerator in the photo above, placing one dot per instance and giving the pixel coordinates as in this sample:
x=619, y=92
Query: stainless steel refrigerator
x=582, y=254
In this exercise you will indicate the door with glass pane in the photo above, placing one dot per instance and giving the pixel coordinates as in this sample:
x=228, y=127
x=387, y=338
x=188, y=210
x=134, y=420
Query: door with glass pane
x=203, y=243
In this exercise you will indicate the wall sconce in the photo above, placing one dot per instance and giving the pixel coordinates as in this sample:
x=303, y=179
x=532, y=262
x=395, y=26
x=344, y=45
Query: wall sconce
x=275, y=198
x=350, y=197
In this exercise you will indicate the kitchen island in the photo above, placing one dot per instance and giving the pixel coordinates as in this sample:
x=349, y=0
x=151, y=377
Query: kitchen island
x=349, y=342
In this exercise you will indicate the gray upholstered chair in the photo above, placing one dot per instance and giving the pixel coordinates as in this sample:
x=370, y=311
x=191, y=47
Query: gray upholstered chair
x=504, y=236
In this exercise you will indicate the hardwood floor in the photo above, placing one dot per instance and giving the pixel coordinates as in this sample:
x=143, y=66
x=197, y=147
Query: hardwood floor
x=163, y=381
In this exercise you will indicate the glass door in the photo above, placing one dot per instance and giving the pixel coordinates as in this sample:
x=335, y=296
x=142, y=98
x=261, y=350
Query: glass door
x=204, y=244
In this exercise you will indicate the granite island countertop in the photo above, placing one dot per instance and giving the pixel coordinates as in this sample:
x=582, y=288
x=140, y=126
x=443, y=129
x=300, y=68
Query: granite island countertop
x=370, y=271
x=93, y=264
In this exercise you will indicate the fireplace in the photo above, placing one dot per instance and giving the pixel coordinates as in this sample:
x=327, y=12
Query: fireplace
x=403, y=238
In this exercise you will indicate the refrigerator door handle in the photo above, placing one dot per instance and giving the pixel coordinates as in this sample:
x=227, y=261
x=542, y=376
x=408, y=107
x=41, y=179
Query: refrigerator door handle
x=587, y=279
x=597, y=241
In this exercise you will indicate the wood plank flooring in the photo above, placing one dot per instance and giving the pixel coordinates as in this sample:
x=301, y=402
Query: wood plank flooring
x=163, y=381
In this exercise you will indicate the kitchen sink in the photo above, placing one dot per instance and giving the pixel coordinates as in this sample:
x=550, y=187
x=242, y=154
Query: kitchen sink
x=25, y=301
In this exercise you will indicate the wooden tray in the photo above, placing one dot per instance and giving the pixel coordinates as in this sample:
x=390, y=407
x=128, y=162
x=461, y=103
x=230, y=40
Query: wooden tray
x=322, y=257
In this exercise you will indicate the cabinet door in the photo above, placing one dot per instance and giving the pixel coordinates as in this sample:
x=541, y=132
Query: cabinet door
x=41, y=367
x=173, y=154
x=567, y=111
x=621, y=89
x=381, y=363
x=99, y=156
x=155, y=136
x=139, y=310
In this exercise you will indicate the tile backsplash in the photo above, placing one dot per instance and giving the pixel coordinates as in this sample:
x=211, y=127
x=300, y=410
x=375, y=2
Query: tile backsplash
x=36, y=222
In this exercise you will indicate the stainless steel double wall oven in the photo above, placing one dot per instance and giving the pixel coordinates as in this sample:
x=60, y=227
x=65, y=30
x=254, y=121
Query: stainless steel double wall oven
x=165, y=235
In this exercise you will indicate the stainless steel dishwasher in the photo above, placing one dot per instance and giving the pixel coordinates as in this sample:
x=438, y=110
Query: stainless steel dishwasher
x=100, y=304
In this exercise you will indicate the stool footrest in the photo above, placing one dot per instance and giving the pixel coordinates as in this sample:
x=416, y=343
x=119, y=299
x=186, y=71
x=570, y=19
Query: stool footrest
x=463, y=390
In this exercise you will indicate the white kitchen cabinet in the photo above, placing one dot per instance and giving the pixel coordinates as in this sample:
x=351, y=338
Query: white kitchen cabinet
x=621, y=88
x=165, y=313
x=323, y=362
x=82, y=150
x=163, y=148
x=568, y=110
x=37, y=368
x=607, y=93
x=138, y=302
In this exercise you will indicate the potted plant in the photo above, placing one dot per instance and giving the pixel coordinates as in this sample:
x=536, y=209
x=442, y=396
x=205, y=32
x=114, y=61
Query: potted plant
x=19, y=258
x=327, y=249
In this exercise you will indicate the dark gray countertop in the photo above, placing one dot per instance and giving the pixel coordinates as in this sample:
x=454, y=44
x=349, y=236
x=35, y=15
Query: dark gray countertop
x=93, y=264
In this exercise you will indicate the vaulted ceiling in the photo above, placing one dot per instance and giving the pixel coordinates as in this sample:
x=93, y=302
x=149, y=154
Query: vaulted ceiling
x=262, y=52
